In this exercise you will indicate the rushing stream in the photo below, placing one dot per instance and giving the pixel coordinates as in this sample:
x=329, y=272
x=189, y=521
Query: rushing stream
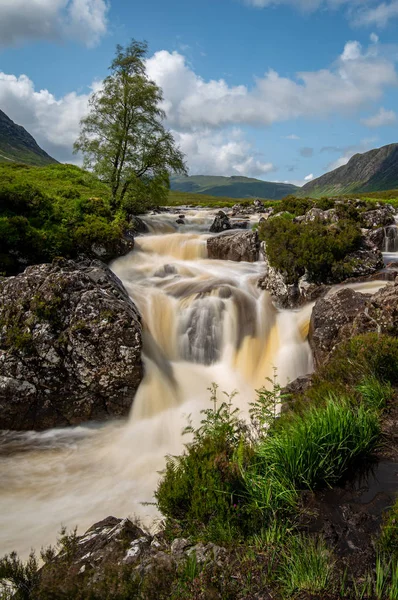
x=204, y=321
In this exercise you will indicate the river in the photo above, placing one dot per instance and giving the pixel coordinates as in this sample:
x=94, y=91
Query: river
x=204, y=321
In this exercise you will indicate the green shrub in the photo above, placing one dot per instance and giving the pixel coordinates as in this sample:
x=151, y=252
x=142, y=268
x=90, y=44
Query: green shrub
x=295, y=206
x=204, y=488
x=315, y=247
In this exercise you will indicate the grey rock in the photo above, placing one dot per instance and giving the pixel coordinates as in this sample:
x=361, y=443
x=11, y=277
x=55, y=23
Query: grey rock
x=234, y=245
x=70, y=346
x=221, y=223
x=380, y=217
x=179, y=545
x=330, y=316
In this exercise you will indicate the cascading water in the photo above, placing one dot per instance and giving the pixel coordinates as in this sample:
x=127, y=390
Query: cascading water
x=390, y=247
x=204, y=321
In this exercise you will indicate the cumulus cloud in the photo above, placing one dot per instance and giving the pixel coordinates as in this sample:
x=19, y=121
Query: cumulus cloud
x=208, y=117
x=382, y=118
x=355, y=79
x=309, y=177
x=53, y=122
x=21, y=21
x=366, y=13
x=378, y=16
x=291, y=137
x=221, y=153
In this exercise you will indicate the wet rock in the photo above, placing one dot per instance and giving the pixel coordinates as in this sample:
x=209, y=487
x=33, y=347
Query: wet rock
x=234, y=245
x=220, y=223
x=165, y=271
x=70, y=346
x=377, y=218
x=180, y=221
x=138, y=225
x=380, y=314
x=329, y=316
x=113, y=248
x=239, y=224
x=375, y=238
x=363, y=262
x=285, y=294
x=293, y=390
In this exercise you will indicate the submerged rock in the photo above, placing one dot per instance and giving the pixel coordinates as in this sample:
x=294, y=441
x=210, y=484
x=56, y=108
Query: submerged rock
x=70, y=346
x=234, y=245
x=220, y=223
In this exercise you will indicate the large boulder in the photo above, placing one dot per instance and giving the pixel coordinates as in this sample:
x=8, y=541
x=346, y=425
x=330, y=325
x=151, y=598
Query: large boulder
x=221, y=223
x=362, y=263
x=234, y=245
x=70, y=346
x=380, y=217
x=331, y=316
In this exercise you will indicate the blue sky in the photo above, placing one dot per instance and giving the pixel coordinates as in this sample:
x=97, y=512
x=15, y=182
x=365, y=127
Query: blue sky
x=277, y=89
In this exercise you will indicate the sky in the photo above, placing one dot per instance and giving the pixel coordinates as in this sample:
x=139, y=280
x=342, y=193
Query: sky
x=280, y=90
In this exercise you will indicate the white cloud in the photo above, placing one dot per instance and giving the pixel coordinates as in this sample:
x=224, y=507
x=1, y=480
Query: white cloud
x=206, y=117
x=374, y=38
x=378, y=16
x=364, y=13
x=352, y=51
x=22, y=21
x=307, y=5
x=291, y=137
x=221, y=153
x=309, y=177
x=355, y=79
x=381, y=118
x=54, y=123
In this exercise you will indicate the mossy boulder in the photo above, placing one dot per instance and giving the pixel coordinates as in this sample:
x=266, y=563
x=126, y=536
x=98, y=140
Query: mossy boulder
x=70, y=346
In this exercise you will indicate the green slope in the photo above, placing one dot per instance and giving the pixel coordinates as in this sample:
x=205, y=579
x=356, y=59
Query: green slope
x=17, y=145
x=373, y=171
x=232, y=187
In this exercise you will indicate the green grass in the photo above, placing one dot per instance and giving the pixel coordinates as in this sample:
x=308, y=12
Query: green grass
x=317, y=448
x=307, y=565
x=63, y=182
x=203, y=200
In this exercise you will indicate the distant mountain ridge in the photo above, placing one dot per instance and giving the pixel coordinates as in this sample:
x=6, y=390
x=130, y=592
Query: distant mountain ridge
x=373, y=171
x=233, y=187
x=17, y=145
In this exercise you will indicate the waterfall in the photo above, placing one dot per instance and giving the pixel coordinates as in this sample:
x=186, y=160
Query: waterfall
x=204, y=321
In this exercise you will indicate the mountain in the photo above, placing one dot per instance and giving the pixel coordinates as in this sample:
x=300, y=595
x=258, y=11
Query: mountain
x=232, y=187
x=17, y=145
x=372, y=171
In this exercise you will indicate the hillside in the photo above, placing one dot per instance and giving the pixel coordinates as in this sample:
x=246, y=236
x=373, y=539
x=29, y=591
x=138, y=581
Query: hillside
x=232, y=187
x=372, y=171
x=17, y=145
